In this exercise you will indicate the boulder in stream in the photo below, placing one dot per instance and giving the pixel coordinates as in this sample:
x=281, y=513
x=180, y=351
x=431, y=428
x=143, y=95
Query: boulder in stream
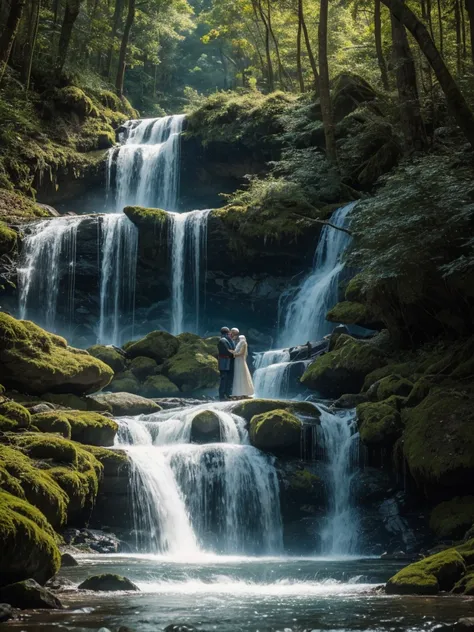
x=277, y=431
x=127, y=403
x=28, y=594
x=205, y=427
x=108, y=582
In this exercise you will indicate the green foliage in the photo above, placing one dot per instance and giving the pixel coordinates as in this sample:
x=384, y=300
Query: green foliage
x=349, y=312
x=452, y=518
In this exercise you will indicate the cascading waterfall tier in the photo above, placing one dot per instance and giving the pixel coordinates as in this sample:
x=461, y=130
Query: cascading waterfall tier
x=118, y=248
x=48, y=257
x=144, y=170
x=337, y=444
x=221, y=497
x=271, y=376
x=305, y=315
x=188, y=256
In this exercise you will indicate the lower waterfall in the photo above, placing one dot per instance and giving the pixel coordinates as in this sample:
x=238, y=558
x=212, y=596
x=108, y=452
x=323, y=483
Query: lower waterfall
x=271, y=376
x=337, y=442
x=217, y=497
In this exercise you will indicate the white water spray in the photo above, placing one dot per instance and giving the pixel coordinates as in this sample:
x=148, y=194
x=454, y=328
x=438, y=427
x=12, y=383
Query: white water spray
x=271, y=376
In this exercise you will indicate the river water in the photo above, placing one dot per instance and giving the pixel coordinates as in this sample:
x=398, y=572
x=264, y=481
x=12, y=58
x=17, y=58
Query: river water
x=244, y=594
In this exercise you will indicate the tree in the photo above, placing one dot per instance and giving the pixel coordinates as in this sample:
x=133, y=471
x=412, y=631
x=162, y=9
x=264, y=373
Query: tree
x=71, y=12
x=324, y=90
x=122, y=63
x=9, y=33
x=378, y=45
x=33, y=24
x=299, y=68
x=410, y=113
x=118, y=10
x=457, y=104
x=470, y=14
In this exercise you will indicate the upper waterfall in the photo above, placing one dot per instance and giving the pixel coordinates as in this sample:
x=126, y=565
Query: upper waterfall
x=144, y=169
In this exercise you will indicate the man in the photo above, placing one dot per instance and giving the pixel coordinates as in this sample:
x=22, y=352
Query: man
x=226, y=363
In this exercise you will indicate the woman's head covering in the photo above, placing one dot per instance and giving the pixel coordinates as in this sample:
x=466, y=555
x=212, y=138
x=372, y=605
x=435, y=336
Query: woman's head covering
x=241, y=337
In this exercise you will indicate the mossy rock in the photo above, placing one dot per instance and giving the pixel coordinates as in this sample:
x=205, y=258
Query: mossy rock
x=427, y=577
x=465, y=585
x=211, y=345
x=28, y=594
x=46, y=446
x=122, y=404
x=379, y=424
x=34, y=361
x=452, y=518
x=28, y=546
x=393, y=385
x=403, y=369
x=303, y=481
x=66, y=400
x=146, y=217
x=277, y=431
x=438, y=442
x=85, y=427
x=13, y=416
x=355, y=288
x=125, y=382
x=251, y=407
x=159, y=386
x=74, y=99
x=420, y=390
x=142, y=367
x=8, y=239
x=110, y=356
x=192, y=368
x=353, y=313
x=205, y=427
x=113, y=461
x=344, y=369
x=108, y=582
x=157, y=345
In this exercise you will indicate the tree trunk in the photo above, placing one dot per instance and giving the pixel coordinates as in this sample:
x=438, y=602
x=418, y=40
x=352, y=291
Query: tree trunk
x=281, y=69
x=123, y=48
x=410, y=116
x=9, y=33
x=325, y=95
x=270, y=76
x=457, y=104
x=440, y=27
x=312, y=60
x=378, y=45
x=70, y=15
x=118, y=10
x=299, y=69
x=470, y=14
x=30, y=46
x=457, y=19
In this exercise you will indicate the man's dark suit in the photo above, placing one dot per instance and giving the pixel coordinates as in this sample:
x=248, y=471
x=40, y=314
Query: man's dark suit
x=226, y=366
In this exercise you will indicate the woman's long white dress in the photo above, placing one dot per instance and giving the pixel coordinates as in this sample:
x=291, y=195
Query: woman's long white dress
x=243, y=384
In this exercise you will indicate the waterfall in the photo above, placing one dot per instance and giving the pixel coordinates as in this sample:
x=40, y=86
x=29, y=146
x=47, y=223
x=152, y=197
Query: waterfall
x=305, y=316
x=48, y=254
x=272, y=372
x=337, y=440
x=221, y=497
x=144, y=170
x=188, y=251
x=118, y=240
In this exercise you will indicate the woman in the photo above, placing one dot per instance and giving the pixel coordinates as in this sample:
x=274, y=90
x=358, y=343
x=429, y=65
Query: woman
x=243, y=385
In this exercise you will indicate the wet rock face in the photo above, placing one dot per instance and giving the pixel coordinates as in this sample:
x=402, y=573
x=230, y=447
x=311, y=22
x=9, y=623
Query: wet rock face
x=29, y=594
x=205, y=427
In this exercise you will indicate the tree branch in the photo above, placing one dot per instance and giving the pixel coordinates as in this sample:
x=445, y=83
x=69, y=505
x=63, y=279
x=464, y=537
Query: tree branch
x=322, y=221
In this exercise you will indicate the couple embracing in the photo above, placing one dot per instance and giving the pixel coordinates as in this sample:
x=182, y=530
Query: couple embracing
x=236, y=380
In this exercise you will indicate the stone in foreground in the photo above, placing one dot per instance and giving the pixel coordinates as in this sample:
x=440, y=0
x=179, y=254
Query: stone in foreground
x=28, y=594
x=123, y=404
x=108, y=582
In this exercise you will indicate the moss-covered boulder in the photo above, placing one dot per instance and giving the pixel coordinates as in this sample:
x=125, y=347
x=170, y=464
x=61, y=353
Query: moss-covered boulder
x=211, y=345
x=353, y=313
x=110, y=356
x=84, y=427
x=125, y=382
x=277, y=431
x=28, y=594
x=122, y=404
x=192, y=368
x=146, y=217
x=438, y=442
x=452, y=518
x=251, y=407
x=465, y=585
x=379, y=423
x=157, y=345
x=8, y=239
x=205, y=427
x=35, y=361
x=427, y=577
x=68, y=400
x=13, y=416
x=143, y=367
x=344, y=369
x=108, y=582
x=159, y=386
x=392, y=385
x=28, y=546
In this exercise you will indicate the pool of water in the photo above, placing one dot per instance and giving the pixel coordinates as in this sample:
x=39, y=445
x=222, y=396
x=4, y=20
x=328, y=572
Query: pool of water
x=239, y=594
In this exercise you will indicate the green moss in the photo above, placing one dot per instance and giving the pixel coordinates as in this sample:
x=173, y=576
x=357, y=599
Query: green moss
x=157, y=345
x=439, y=441
x=8, y=239
x=427, y=577
x=303, y=480
x=27, y=542
x=251, y=407
x=89, y=428
x=159, y=386
x=403, y=369
x=344, y=369
x=67, y=400
x=109, y=355
x=31, y=359
x=112, y=460
x=74, y=99
x=142, y=367
x=211, y=345
x=349, y=312
x=393, y=385
x=354, y=289
x=379, y=424
x=14, y=413
x=452, y=518
x=125, y=382
x=46, y=446
x=465, y=585
x=191, y=368
x=146, y=217
x=276, y=431
x=18, y=208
